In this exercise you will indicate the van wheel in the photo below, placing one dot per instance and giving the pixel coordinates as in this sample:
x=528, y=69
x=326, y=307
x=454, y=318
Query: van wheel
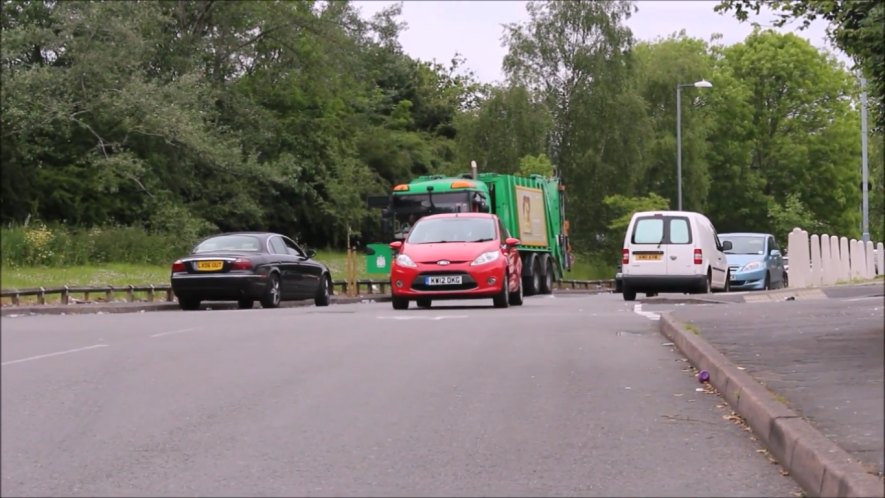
x=547, y=281
x=629, y=294
x=706, y=286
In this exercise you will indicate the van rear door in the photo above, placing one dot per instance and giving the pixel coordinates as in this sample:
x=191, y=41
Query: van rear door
x=648, y=253
x=680, y=246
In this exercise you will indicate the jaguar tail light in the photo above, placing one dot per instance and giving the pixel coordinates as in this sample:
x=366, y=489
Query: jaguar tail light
x=241, y=264
x=178, y=267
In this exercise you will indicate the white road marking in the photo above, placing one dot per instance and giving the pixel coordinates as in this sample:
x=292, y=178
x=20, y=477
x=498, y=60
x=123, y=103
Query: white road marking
x=442, y=317
x=170, y=332
x=47, y=355
x=637, y=308
x=869, y=298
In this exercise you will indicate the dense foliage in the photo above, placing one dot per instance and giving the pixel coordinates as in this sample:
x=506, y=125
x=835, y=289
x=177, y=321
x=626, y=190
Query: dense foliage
x=192, y=116
x=855, y=26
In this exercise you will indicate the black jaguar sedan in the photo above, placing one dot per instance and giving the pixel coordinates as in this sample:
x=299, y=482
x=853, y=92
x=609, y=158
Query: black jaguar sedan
x=250, y=266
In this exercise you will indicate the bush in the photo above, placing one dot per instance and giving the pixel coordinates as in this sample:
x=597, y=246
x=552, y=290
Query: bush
x=59, y=245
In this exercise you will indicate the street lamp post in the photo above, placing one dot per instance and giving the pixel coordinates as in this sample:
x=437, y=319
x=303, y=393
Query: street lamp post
x=679, y=87
x=864, y=169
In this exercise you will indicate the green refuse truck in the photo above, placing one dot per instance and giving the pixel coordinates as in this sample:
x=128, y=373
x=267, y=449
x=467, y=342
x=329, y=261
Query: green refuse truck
x=531, y=208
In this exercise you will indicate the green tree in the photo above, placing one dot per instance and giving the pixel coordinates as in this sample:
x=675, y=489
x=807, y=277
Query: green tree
x=856, y=26
x=224, y=115
x=783, y=125
x=793, y=213
x=575, y=56
x=536, y=165
x=504, y=127
x=660, y=66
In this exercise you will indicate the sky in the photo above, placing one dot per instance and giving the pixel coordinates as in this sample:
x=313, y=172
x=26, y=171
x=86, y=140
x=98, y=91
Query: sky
x=437, y=30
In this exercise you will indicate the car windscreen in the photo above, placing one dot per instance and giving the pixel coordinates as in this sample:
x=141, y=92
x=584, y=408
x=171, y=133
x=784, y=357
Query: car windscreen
x=745, y=244
x=238, y=243
x=431, y=231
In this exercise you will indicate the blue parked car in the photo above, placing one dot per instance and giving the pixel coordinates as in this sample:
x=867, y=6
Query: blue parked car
x=755, y=261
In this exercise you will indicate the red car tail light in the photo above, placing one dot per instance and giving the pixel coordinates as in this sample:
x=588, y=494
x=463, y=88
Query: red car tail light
x=698, y=256
x=625, y=256
x=241, y=264
x=178, y=267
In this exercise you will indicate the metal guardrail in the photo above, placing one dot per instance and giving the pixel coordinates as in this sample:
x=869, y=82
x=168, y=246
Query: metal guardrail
x=164, y=292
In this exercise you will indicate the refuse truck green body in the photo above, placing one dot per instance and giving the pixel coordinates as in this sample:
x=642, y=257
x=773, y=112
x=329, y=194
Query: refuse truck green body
x=531, y=208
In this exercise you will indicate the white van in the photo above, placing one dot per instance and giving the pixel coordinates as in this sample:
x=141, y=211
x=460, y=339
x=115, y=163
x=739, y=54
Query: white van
x=672, y=251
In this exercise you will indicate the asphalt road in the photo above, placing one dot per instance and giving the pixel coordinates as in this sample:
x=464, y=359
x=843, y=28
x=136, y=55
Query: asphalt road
x=573, y=395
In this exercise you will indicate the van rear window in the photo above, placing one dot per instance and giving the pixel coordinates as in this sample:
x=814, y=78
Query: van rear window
x=679, y=232
x=648, y=231
x=662, y=230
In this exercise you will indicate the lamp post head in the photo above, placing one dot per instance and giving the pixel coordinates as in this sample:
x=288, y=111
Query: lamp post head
x=703, y=84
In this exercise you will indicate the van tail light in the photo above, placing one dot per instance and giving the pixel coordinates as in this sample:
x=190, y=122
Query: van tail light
x=241, y=264
x=178, y=267
x=625, y=256
x=698, y=256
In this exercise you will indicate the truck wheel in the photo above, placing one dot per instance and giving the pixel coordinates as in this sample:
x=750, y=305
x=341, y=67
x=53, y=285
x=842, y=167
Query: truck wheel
x=531, y=282
x=547, y=280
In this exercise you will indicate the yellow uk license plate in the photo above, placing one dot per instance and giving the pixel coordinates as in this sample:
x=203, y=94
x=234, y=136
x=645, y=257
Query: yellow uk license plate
x=209, y=265
x=647, y=257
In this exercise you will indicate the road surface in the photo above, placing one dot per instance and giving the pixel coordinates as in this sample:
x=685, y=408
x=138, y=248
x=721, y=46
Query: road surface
x=568, y=395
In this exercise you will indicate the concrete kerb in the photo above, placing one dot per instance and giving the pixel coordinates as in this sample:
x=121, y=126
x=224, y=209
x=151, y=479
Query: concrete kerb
x=817, y=464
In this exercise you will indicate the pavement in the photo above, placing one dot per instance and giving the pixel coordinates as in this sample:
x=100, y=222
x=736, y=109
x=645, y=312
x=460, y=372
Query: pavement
x=804, y=369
